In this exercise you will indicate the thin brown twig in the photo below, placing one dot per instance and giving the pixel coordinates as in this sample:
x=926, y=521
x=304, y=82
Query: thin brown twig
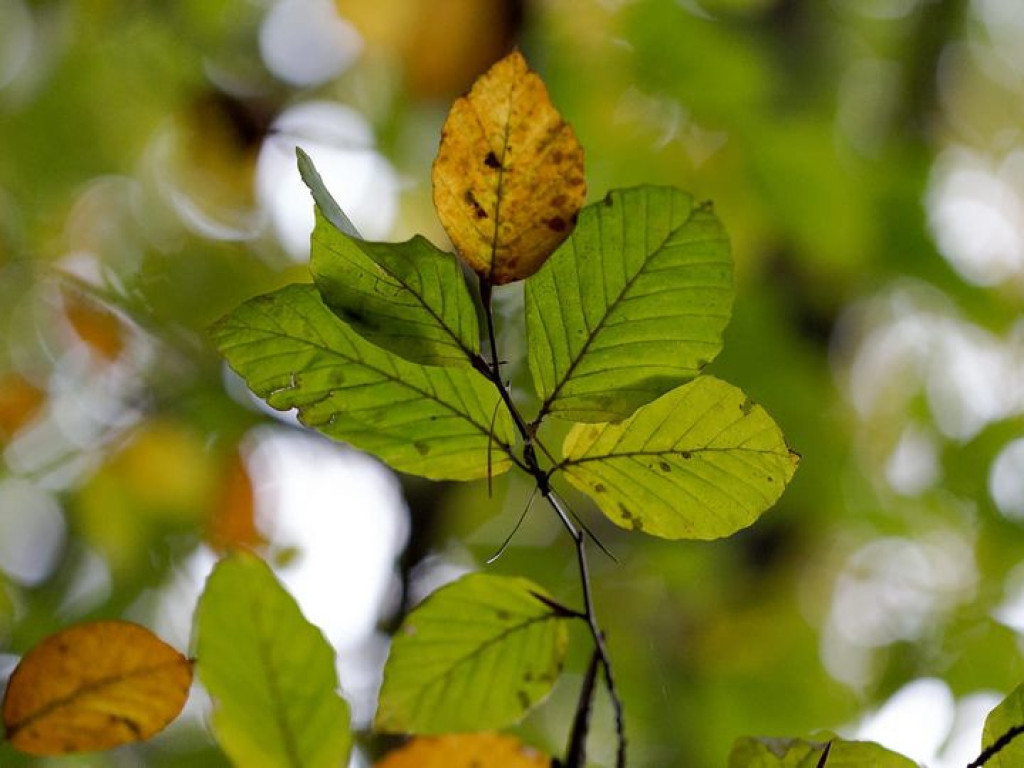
x=578, y=534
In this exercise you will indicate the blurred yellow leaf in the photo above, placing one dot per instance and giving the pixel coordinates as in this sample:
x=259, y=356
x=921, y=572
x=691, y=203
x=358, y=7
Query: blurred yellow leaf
x=232, y=523
x=98, y=328
x=442, y=44
x=20, y=400
x=508, y=178
x=161, y=479
x=94, y=686
x=167, y=468
x=467, y=750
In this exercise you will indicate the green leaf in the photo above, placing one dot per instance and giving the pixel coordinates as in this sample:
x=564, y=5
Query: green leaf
x=409, y=298
x=633, y=304
x=270, y=672
x=324, y=200
x=698, y=463
x=428, y=421
x=475, y=655
x=750, y=752
x=1007, y=715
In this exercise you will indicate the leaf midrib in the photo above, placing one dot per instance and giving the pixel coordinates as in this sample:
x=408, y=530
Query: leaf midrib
x=480, y=649
x=277, y=698
x=545, y=407
x=423, y=303
x=390, y=377
x=85, y=690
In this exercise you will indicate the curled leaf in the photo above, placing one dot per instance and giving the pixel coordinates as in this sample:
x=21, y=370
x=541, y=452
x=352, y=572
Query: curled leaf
x=94, y=686
x=508, y=178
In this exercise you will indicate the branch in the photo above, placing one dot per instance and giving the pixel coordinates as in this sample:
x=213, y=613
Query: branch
x=578, y=533
x=576, y=754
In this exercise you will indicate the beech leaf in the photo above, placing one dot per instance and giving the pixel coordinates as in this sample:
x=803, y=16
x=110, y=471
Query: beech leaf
x=1008, y=714
x=270, y=672
x=508, y=177
x=440, y=423
x=700, y=462
x=465, y=750
x=92, y=687
x=475, y=655
x=408, y=298
x=749, y=752
x=633, y=304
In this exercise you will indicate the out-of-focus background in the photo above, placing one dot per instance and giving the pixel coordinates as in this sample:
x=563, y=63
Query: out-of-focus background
x=867, y=158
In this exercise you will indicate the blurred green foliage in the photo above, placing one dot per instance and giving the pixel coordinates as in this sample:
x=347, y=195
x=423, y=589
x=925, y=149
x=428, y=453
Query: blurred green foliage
x=856, y=151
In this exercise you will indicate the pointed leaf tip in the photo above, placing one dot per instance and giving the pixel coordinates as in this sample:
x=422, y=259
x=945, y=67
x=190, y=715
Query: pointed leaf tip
x=508, y=178
x=324, y=200
x=700, y=462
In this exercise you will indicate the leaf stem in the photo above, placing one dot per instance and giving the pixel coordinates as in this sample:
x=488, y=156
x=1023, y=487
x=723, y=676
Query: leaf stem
x=997, y=746
x=578, y=534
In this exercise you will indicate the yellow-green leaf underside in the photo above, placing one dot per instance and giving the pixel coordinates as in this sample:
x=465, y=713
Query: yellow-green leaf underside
x=270, y=672
x=700, y=462
x=425, y=420
x=633, y=304
x=476, y=655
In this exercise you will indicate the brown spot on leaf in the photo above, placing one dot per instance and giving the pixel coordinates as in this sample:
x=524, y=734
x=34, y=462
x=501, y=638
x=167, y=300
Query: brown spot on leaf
x=599, y=488
x=421, y=448
x=665, y=466
x=555, y=224
x=685, y=454
x=491, y=161
x=478, y=210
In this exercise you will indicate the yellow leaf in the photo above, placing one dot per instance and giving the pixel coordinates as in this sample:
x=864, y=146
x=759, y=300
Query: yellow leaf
x=508, y=178
x=232, y=524
x=99, y=328
x=94, y=686
x=442, y=44
x=20, y=401
x=465, y=750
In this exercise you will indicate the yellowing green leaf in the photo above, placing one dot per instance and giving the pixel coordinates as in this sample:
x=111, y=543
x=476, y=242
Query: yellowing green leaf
x=1008, y=714
x=430, y=421
x=270, y=672
x=409, y=298
x=465, y=750
x=749, y=752
x=700, y=462
x=94, y=686
x=476, y=655
x=633, y=304
x=508, y=178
